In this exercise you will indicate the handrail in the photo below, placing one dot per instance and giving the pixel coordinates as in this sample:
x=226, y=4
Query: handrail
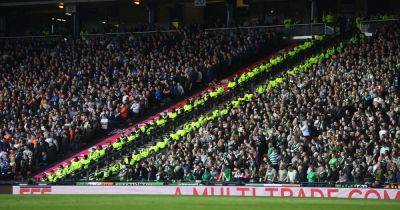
x=379, y=20
x=269, y=26
x=366, y=25
x=26, y=37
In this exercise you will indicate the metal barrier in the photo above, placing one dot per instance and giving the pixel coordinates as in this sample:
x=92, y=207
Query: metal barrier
x=370, y=26
x=286, y=30
x=30, y=37
x=291, y=30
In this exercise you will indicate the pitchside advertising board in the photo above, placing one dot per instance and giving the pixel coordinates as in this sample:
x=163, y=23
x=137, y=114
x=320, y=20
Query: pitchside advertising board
x=364, y=193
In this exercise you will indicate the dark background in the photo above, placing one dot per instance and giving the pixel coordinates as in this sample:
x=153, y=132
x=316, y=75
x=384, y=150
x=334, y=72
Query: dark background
x=33, y=17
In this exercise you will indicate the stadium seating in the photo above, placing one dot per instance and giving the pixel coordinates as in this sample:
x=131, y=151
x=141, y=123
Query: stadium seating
x=56, y=93
x=146, y=129
x=334, y=119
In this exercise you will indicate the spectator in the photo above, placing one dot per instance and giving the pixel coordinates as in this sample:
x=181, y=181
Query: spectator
x=56, y=92
x=291, y=175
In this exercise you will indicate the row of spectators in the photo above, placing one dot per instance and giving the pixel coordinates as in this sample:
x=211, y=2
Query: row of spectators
x=337, y=122
x=56, y=93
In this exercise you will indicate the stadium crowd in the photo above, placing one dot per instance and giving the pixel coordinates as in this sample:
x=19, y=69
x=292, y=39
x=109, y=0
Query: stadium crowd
x=55, y=93
x=336, y=122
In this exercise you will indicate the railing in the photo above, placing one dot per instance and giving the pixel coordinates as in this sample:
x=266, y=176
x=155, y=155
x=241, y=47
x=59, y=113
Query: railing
x=134, y=32
x=290, y=30
x=250, y=183
x=369, y=26
x=28, y=37
x=286, y=30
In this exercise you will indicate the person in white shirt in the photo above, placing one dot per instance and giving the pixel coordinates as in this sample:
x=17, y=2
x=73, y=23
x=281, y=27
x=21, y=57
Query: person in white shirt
x=135, y=107
x=291, y=175
x=282, y=173
x=383, y=132
x=305, y=130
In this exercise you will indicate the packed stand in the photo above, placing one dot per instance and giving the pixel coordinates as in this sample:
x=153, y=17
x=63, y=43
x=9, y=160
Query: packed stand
x=56, y=93
x=337, y=122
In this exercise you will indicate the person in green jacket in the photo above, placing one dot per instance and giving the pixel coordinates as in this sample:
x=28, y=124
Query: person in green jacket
x=106, y=174
x=311, y=176
x=126, y=160
x=51, y=177
x=135, y=158
x=143, y=128
x=199, y=102
x=115, y=168
x=161, y=122
x=75, y=165
x=98, y=174
x=172, y=115
x=101, y=152
x=220, y=90
x=226, y=174
x=206, y=175
x=60, y=173
x=174, y=136
x=333, y=161
x=213, y=94
x=232, y=84
x=188, y=107
x=188, y=176
x=95, y=154
x=117, y=145
x=85, y=162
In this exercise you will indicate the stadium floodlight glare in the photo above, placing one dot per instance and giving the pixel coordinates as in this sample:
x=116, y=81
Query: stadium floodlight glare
x=61, y=5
